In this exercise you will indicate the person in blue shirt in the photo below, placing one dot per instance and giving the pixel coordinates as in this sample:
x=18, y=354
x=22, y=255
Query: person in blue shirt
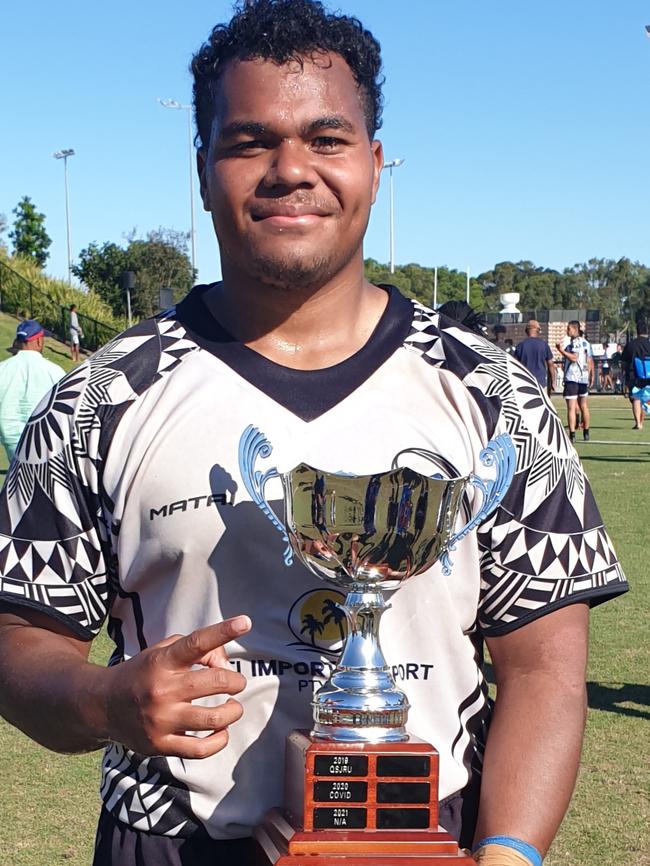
x=535, y=354
x=24, y=380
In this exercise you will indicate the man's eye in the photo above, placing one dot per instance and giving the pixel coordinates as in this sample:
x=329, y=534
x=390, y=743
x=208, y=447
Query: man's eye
x=253, y=144
x=326, y=142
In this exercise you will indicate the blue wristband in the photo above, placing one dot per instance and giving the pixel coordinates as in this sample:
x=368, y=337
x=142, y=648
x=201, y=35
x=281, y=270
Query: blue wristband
x=519, y=845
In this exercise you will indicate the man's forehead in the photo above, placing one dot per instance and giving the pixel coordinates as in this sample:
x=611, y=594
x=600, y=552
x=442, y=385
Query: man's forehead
x=318, y=85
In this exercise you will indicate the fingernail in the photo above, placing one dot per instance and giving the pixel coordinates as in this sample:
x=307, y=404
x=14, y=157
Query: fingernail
x=240, y=624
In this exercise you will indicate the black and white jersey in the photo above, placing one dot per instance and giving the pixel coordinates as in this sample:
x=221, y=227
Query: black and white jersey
x=125, y=501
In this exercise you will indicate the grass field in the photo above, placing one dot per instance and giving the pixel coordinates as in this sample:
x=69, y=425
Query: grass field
x=49, y=803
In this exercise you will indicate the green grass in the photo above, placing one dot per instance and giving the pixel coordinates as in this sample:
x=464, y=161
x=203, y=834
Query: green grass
x=49, y=803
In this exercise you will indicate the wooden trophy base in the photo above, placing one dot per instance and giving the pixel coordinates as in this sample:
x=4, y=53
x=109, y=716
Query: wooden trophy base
x=356, y=804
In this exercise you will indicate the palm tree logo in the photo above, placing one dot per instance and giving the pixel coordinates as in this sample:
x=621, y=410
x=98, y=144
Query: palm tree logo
x=313, y=626
x=317, y=623
x=333, y=612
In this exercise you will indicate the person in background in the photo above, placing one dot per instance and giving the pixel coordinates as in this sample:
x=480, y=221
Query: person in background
x=75, y=333
x=636, y=360
x=24, y=381
x=618, y=378
x=509, y=347
x=535, y=354
x=578, y=377
x=606, y=369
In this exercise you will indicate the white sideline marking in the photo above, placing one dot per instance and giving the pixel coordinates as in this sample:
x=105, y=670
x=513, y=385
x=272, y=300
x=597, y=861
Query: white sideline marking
x=610, y=442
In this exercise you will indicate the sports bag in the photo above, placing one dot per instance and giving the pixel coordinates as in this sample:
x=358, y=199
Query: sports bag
x=642, y=368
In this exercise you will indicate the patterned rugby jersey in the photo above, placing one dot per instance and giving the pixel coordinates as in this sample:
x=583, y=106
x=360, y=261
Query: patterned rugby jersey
x=125, y=501
x=578, y=370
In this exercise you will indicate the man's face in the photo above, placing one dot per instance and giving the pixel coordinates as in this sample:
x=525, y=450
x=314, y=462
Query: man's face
x=290, y=173
x=572, y=331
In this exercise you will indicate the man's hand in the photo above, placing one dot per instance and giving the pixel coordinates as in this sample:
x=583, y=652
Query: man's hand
x=149, y=698
x=51, y=692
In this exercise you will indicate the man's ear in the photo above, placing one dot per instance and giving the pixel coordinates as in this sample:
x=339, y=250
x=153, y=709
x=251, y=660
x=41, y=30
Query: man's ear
x=378, y=164
x=201, y=167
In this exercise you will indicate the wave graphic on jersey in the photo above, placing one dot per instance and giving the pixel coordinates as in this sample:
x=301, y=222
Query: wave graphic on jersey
x=317, y=622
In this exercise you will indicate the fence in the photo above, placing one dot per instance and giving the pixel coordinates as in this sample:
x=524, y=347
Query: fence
x=19, y=296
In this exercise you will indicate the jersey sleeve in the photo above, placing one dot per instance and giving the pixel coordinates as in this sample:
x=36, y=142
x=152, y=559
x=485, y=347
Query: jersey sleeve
x=546, y=546
x=54, y=542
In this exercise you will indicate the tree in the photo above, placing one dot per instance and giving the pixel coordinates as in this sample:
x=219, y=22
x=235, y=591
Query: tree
x=159, y=261
x=29, y=235
x=100, y=269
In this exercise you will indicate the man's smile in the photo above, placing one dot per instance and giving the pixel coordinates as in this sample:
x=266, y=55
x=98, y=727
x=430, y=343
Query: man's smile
x=286, y=215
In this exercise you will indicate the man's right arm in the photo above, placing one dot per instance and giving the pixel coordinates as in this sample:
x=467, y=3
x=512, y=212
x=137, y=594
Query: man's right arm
x=51, y=692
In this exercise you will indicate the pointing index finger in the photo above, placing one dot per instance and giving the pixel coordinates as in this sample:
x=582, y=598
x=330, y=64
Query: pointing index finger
x=190, y=649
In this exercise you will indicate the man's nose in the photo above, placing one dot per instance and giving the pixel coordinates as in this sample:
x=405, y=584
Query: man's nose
x=291, y=166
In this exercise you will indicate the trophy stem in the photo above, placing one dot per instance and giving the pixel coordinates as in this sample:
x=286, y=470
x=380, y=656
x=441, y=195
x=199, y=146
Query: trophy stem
x=360, y=702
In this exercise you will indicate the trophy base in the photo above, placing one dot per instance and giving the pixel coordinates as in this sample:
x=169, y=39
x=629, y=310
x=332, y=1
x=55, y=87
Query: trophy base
x=283, y=844
x=356, y=804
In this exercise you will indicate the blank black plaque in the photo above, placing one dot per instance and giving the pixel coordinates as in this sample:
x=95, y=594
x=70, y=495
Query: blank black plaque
x=340, y=818
x=402, y=819
x=340, y=765
x=403, y=792
x=403, y=765
x=342, y=791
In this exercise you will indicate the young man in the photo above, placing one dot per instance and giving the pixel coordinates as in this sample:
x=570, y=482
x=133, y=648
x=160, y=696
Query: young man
x=578, y=378
x=137, y=509
x=75, y=333
x=636, y=361
x=24, y=380
x=535, y=354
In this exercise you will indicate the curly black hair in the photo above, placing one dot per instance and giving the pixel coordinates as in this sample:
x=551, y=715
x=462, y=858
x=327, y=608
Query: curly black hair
x=467, y=316
x=282, y=31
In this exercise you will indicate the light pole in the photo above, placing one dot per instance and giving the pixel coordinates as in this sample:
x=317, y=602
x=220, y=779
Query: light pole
x=64, y=154
x=173, y=103
x=395, y=163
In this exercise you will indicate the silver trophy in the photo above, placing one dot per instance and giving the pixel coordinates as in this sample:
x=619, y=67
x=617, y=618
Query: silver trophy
x=366, y=533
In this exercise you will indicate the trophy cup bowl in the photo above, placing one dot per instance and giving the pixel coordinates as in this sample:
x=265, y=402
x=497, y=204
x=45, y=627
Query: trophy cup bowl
x=365, y=533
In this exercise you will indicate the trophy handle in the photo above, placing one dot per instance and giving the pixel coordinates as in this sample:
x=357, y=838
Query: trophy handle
x=254, y=444
x=499, y=452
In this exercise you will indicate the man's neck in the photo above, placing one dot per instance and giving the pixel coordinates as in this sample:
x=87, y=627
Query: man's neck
x=305, y=329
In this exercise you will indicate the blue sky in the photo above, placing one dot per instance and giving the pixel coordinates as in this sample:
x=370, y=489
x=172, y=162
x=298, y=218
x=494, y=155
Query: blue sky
x=525, y=126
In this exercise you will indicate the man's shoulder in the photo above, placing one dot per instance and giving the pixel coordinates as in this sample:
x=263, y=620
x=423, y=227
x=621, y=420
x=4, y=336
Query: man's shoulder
x=7, y=368
x=139, y=357
x=54, y=369
x=7, y=363
x=499, y=386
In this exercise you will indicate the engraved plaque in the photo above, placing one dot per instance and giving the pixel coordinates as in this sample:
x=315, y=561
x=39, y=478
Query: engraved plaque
x=340, y=765
x=344, y=791
x=340, y=818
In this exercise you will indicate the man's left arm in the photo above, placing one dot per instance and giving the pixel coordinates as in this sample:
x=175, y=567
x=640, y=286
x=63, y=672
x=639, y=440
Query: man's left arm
x=533, y=749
